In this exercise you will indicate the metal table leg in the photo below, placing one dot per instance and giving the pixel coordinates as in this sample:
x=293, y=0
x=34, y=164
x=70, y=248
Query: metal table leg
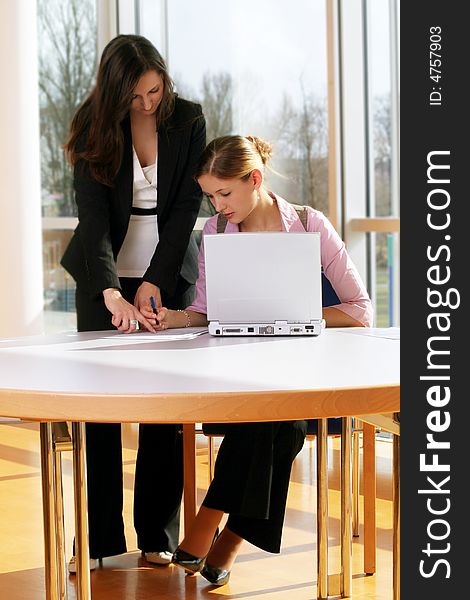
x=339, y=584
x=322, y=510
x=61, y=442
x=60, y=528
x=49, y=511
x=81, y=515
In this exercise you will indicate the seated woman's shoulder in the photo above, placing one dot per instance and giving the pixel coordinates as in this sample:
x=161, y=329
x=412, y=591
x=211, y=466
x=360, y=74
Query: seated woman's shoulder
x=317, y=220
x=315, y=212
x=210, y=225
x=315, y=215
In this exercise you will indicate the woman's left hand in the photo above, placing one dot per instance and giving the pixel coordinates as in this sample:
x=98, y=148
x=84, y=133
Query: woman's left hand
x=142, y=300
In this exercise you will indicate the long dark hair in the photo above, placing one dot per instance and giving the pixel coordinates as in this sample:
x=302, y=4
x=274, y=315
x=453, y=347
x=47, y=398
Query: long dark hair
x=123, y=62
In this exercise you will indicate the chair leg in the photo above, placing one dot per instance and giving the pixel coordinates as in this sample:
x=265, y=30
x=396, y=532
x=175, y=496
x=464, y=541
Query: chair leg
x=189, y=461
x=369, y=471
x=346, y=517
x=322, y=510
x=355, y=484
x=211, y=456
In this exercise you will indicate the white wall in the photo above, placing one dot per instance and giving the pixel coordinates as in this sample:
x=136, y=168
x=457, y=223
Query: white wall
x=21, y=278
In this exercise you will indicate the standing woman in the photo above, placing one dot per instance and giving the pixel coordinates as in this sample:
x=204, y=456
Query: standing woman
x=134, y=146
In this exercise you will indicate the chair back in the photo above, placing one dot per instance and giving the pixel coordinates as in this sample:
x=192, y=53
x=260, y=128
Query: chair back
x=329, y=296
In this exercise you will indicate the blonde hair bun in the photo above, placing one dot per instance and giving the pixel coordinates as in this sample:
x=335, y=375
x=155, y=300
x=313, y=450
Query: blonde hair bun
x=234, y=157
x=264, y=149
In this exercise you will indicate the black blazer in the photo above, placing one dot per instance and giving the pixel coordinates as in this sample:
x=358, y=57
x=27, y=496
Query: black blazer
x=104, y=212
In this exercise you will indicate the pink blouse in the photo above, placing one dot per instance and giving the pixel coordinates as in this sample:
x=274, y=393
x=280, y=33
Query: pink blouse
x=336, y=263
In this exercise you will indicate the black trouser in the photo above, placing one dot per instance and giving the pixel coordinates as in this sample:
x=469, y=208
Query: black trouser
x=251, y=478
x=158, y=484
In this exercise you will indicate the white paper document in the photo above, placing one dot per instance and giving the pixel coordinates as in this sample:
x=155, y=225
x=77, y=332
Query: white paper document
x=172, y=334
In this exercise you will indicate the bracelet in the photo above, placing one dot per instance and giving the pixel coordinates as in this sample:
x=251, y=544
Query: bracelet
x=188, y=318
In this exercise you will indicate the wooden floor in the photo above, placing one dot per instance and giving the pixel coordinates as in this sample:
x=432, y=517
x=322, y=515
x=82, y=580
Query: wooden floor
x=256, y=575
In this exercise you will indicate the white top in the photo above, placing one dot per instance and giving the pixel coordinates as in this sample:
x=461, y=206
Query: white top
x=142, y=233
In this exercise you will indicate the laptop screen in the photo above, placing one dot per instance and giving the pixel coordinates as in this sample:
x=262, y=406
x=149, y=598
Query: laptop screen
x=263, y=277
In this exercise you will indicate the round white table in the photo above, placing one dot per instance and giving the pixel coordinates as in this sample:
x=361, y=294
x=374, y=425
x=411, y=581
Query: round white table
x=181, y=377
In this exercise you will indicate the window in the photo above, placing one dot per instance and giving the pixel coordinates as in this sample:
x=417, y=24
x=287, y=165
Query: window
x=257, y=69
x=363, y=110
x=67, y=58
x=382, y=78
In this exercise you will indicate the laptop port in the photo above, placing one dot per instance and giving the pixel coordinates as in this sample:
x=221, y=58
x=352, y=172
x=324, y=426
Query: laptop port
x=309, y=327
x=296, y=329
x=251, y=329
x=217, y=332
x=268, y=330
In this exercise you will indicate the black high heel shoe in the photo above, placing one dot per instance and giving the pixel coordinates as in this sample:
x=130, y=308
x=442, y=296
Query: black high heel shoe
x=189, y=562
x=215, y=575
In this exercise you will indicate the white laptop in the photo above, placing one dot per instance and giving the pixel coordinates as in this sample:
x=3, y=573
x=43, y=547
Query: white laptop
x=263, y=283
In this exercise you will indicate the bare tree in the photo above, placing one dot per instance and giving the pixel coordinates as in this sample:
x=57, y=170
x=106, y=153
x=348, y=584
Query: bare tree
x=67, y=60
x=303, y=146
x=216, y=97
x=216, y=100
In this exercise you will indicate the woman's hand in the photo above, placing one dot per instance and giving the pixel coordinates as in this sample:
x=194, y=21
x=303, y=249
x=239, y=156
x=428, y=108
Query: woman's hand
x=124, y=313
x=179, y=319
x=142, y=300
x=165, y=319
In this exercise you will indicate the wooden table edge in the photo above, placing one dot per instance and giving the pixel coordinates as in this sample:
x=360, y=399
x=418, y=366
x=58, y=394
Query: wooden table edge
x=278, y=405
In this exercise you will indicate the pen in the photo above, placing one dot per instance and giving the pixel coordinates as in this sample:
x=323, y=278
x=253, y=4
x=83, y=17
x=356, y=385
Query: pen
x=154, y=306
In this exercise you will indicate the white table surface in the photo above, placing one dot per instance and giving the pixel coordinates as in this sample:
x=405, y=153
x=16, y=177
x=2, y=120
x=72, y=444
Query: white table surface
x=99, y=375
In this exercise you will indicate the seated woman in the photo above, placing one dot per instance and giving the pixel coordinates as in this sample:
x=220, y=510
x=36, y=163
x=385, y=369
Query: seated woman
x=254, y=462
